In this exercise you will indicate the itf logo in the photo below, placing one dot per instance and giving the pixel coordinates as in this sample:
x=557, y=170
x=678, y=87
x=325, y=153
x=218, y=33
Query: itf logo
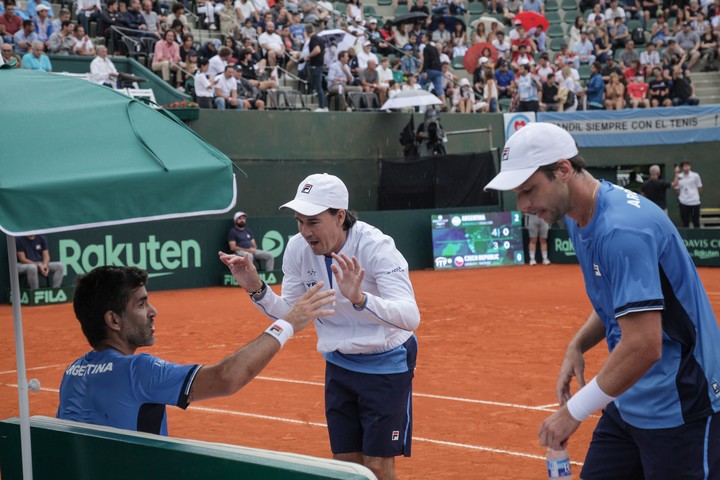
x=441, y=262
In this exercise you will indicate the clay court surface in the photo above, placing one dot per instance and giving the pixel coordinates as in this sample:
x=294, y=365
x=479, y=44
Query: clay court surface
x=491, y=343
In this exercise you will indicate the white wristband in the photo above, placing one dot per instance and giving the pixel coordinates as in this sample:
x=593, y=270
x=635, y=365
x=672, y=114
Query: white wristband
x=281, y=331
x=588, y=400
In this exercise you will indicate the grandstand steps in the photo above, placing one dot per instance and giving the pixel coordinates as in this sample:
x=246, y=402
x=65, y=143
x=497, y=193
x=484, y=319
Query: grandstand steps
x=707, y=87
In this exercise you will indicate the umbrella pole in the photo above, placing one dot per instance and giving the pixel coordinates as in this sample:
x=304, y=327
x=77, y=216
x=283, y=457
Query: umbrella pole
x=25, y=445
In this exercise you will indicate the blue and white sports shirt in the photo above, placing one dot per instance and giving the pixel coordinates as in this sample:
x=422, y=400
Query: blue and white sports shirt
x=634, y=260
x=124, y=391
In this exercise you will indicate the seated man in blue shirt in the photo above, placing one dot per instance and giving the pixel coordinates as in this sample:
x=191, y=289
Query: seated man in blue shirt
x=33, y=257
x=112, y=386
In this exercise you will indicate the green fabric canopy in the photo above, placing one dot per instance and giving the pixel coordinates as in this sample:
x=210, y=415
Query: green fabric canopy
x=78, y=155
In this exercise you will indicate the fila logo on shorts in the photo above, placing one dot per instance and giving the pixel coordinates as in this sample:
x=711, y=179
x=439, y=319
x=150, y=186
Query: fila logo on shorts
x=395, y=436
x=716, y=388
x=597, y=270
x=505, y=154
x=306, y=188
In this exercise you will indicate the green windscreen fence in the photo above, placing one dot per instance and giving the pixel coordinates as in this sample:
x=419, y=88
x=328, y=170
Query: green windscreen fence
x=64, y=450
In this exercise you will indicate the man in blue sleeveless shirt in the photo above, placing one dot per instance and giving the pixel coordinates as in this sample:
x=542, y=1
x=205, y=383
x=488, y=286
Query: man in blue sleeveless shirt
x=660, y=386
x=113, y=386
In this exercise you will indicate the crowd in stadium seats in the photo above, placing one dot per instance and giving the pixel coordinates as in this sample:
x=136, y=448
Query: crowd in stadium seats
x=617, y=53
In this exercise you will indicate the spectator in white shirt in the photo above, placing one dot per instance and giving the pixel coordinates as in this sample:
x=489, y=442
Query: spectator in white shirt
x=204, y=86
x=583, y=50
x=102, y=69
x=219, y=62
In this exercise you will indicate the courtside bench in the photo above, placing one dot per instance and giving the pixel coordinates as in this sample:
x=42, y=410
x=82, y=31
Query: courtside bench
x=64, y=450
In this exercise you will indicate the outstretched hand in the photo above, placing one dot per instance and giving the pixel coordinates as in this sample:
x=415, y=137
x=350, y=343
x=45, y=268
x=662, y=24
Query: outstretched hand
x=309, y=307
x=349, y=276
x=243, y=270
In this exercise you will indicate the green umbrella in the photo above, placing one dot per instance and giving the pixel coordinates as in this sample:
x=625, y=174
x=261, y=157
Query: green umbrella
x=78, y=155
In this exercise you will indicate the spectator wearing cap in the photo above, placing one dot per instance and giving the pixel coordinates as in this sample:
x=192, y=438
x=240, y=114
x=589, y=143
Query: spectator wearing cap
x=514, y=32
x=365, y=55
x=36, y=59
x=618, y=33
x=64, y=14
x=505, y=79
x=102, y=69
x=204, y=85
x=689, y=41
x=42, y=22
x=409, y=64
x=463, y=98
x=562, y=55
x=611, y=67
x=31, y=8
x=479, y=74
x=242, y=241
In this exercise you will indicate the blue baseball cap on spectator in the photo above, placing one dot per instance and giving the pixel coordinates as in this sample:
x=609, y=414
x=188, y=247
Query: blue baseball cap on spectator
x=407, y=47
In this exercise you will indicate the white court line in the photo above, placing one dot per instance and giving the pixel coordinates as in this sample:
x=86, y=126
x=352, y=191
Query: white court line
x=544, y=408
x=35, y=368
x=324, y=425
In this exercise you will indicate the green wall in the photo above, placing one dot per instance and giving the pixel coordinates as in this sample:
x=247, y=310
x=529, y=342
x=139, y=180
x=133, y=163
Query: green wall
x=69, y=451
x=278, y=149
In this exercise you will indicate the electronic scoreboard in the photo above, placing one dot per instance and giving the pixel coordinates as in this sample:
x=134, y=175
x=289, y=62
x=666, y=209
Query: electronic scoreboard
x=469, y=240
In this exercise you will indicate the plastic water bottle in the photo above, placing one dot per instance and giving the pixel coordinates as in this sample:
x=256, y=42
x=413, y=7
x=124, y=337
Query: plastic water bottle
x=558, y=464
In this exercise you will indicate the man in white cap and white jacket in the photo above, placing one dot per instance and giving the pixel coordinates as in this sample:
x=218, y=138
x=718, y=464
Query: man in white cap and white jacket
x=368, y=344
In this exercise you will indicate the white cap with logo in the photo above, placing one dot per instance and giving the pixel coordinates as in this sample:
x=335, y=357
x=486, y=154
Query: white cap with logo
x=239, y=214
x=533, y=146
x=317, y=193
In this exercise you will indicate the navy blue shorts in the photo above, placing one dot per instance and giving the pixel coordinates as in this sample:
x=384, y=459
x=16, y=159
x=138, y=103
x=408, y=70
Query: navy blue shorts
x=370, y=413
x=619, y=451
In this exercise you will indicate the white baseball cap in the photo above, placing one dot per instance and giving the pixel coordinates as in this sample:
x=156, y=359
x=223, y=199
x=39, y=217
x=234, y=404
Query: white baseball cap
x=238, y=215
x=533, y=146
x=317, y=193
